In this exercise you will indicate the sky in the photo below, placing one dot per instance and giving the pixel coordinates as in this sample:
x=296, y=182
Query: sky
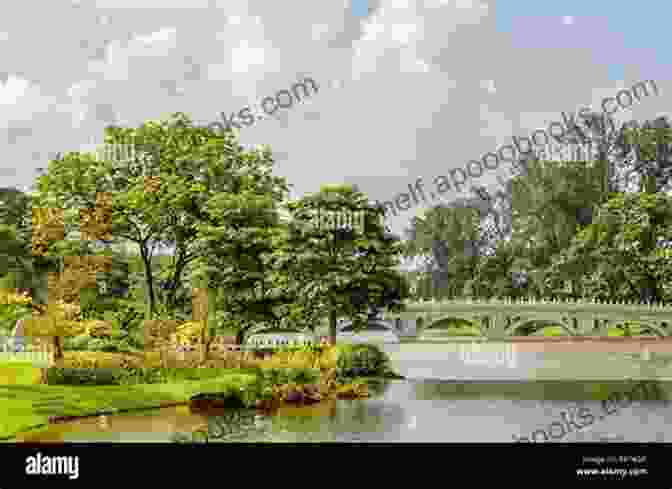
x=407, y=89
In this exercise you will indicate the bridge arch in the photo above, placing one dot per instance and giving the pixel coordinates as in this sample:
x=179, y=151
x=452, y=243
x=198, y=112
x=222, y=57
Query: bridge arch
x=530, y=325
x=460, y=320
x=440, y=322
x=647, y=326
x=495, y=318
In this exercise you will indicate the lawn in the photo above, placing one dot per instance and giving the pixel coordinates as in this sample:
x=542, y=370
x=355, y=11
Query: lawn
x=26, y=405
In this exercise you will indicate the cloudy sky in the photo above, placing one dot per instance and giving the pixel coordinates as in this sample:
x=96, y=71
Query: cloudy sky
x=407, y=89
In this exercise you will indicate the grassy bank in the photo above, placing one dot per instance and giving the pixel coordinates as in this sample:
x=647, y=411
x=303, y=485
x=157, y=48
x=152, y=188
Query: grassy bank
x=26, y=405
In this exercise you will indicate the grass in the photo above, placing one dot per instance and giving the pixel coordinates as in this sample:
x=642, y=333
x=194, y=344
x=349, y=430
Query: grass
x=26, y=405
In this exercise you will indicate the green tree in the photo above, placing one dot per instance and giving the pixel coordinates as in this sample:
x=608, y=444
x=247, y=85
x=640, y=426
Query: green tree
x=648, y=147
x=451, y=236
x=348, y=271
x=624, y=253
x=156, y=195
x=549, y=202
x=17, y=263
x=240, y=236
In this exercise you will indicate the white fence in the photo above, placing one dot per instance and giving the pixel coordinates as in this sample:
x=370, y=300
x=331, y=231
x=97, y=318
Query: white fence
x=38, y=358
x=486, y=354
x=24, y=351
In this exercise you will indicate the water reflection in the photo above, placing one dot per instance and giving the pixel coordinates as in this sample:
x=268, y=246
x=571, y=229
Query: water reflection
x=329, y=421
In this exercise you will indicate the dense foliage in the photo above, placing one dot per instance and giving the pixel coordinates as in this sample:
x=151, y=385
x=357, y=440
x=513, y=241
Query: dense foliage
x=241, y=256
x=578, y=229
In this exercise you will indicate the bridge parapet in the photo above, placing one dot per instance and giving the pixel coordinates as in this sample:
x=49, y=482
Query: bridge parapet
x=501, y=317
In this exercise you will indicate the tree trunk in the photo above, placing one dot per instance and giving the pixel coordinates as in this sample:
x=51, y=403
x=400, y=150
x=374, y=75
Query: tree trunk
x=58, y=354
x=206, y=349
x=332, y=327
x=172, y=293
x=205, y=342
x=240, y=337
x=149, y=282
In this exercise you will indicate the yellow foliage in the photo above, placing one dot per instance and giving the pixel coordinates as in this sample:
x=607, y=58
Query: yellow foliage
x=158, y=332
x=188, y=333
x=328, y=358
x=98, y=328
x=48, y=226
x=78, y=272
x=152, y=359
x=152, y=184
x=352, y=391
x=96, y=224
x=60, y=319
x=83, y=359
x=199, y=300
x=301, y=359
x=10, y=297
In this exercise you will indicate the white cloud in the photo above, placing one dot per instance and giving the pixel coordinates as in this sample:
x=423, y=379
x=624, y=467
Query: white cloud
x=414, y=89
x=244, y=57
x=489, y=85
x=13, y=90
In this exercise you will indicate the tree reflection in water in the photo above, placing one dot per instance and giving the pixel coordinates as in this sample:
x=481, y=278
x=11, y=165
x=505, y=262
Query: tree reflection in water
x=227, y=425
x=321, y=422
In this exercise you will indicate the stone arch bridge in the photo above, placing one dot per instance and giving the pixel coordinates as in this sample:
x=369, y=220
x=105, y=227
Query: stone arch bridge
x=499, y=319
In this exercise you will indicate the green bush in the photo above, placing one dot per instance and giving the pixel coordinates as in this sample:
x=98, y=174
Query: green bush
x=82, y=376
x=77, y=343
x=361, y=360
x=280, y=376
x=132, y=376
x=125, y=344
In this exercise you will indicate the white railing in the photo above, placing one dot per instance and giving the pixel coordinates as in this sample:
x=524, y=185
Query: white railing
x=479, y=354
x=36, y=357
x=275, y=340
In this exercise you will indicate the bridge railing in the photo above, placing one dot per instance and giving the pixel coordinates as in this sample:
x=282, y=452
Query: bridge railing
x=497, y=317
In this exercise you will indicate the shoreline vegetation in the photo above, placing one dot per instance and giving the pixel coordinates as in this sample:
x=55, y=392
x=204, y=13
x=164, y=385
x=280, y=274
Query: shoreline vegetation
x=33, y=398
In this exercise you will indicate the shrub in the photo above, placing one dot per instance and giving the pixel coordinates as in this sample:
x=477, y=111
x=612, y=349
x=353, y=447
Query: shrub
x=82, y=376
x=279, y=376
x=361, y=360
x=77, y=343
x=99, y=329
x=134, y=375
x=76, y=359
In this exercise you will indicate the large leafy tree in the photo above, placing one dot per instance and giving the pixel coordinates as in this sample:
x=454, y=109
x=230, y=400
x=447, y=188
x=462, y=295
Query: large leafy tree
x=155, y=195
x=549, y=203
x=651, y=149
x=348, y=270
x=452, y=236
x=624, y=253
x=19, y=265
x=241, y=240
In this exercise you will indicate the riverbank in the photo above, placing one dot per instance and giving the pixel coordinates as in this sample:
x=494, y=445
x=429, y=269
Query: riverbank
x=27, y=405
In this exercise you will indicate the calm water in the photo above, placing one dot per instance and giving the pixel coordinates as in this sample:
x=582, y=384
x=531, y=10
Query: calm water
x=454, y=393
